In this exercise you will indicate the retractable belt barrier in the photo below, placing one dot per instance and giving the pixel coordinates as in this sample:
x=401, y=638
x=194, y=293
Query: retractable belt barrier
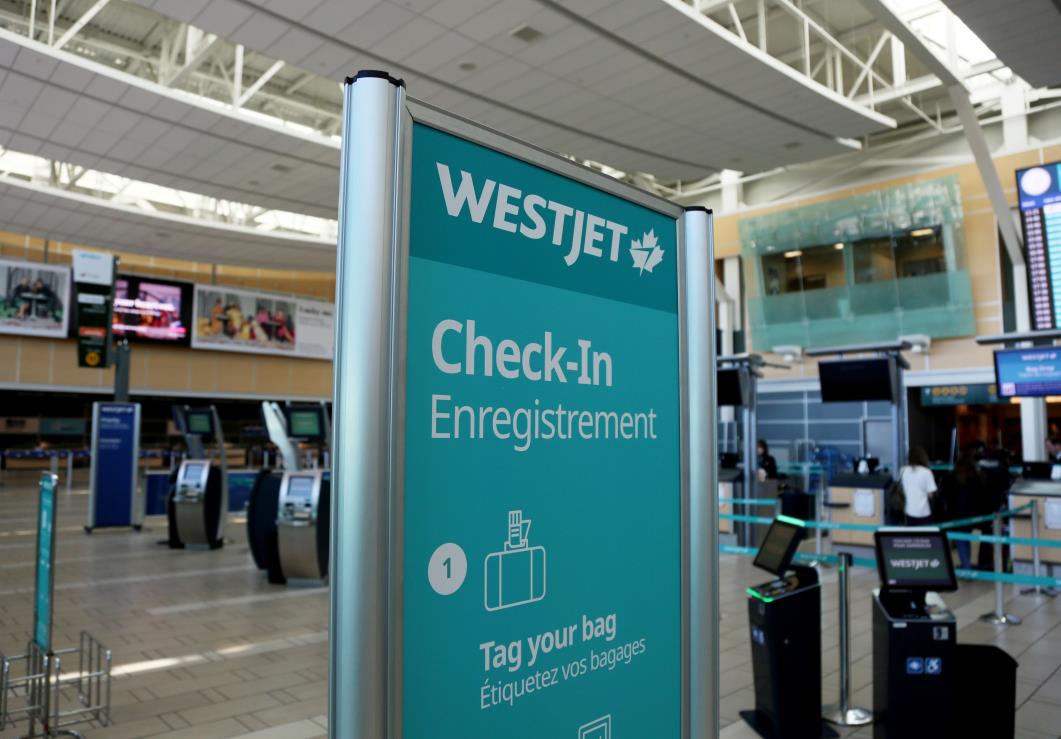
x=1035, y=580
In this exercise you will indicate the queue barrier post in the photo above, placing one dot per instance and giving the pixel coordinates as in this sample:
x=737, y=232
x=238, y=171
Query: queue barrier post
x=1036, y=561
x=999, y=617
x=843, y=713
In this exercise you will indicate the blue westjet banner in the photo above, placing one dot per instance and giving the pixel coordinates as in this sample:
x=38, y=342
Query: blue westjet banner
x=115, y=452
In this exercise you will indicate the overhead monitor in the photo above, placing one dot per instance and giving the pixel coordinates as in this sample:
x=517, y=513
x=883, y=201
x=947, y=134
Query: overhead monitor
x=733, y=386
x=848, y=380
x=1039, y=197
x=305, y=422
x=200, y=422
x=779, y=546
x=152, y=310
x=914, y=559
x=1024, y=373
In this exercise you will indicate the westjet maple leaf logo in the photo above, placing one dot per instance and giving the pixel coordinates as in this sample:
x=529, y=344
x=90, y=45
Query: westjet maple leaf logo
x=646, y=252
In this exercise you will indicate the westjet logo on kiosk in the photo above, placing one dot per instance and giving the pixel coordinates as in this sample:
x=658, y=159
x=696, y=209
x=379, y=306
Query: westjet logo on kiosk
x=535, y=217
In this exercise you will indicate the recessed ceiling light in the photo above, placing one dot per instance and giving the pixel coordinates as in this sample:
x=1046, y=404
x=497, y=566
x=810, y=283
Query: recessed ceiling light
x=162, y=234
x=526, y=33
x=279, y=167
x=253, y=183
x=468, y=66
x=793, y=254
x=923, y=232
x=793, y=145
x=838, y=245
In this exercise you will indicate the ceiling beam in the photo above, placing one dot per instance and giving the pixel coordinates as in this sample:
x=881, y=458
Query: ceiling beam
x=201, y=54
x=259, y=83
x=81, y=22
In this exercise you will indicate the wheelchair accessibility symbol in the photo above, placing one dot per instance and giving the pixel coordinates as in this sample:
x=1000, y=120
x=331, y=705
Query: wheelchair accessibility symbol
x=933, y=665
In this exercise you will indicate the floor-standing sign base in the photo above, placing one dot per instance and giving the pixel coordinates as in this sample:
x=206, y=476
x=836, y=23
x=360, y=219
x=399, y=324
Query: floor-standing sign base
x=519, y=435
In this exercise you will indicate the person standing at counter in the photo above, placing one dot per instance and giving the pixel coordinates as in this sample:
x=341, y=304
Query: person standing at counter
x=764, y=461
x=964, y=491
x=918, y=484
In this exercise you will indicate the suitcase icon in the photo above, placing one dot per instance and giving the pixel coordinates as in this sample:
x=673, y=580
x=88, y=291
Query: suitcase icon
x=516, y=575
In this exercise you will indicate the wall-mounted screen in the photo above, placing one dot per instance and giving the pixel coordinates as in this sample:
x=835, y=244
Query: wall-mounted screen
x=1039, y=198
x=151, y=309
x=1032, y=372
x=847, y=380
x=916, y=560
x=228, y=319
x=34, y=299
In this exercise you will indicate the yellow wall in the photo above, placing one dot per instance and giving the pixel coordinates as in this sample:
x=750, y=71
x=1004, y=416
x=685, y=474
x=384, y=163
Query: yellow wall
x=981, y=254
x=53, y=362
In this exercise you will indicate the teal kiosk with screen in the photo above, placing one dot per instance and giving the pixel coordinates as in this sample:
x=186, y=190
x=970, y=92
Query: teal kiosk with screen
x=199, y=501
x=784, y=615
x=914, y=666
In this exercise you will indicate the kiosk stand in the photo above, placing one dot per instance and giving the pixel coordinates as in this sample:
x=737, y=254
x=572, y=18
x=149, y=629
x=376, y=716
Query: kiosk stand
x=913, y=635
x=200, y=495
x=288, y=515
x=784, y=615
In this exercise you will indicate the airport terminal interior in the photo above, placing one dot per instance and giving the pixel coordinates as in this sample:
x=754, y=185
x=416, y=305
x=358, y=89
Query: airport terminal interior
x=537, y=369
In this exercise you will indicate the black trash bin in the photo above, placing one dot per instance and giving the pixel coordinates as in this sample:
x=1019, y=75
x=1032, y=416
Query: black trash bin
x=985, y=683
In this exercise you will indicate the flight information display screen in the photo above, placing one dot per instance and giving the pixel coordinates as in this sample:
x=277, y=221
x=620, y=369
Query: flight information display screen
x=1039, y=197
x=915, y=560
x=1032, y=372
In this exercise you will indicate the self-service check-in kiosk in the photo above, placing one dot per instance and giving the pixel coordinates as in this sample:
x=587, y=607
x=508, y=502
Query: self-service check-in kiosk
x=913, y=636
x=784, y=615
x=288, y=512
x=303, y=525
x=199, y=502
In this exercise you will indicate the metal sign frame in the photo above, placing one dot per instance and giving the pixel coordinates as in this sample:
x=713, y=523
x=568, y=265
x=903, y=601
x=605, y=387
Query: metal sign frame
x=366, y=618
x=53, y=479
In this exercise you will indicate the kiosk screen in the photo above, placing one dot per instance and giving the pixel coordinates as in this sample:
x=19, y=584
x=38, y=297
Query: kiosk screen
x=305, y=423
x=192, y=472
x=200, y=422
x=915, y=560
x=778, y=547
x=299, y=488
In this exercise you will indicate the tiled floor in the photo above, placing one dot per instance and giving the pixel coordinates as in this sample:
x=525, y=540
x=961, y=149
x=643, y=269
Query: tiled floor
x=204, y=647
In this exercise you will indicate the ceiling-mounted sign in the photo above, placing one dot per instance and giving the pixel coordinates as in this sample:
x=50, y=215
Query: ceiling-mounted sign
x=968, y=394
x=527, y=374
x=94, y=276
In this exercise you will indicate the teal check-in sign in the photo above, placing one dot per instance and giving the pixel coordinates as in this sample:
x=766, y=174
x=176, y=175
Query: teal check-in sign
x=42, y=620
x=542, y=580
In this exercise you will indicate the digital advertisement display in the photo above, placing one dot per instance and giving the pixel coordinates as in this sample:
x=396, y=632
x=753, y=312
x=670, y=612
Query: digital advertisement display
x=542, y=583
x=34, y=299
x=150, y=309
x=228, y=319
x=1032, y=372
x=1039, y=190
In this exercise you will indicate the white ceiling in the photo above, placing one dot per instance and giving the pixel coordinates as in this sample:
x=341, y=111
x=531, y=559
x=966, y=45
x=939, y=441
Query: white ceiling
x=81, y=219
x=641, y=85
x=1023, y=33
x=69, y=109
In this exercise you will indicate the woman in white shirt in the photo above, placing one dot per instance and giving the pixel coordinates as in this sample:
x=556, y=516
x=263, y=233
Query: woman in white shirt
x=918, y=484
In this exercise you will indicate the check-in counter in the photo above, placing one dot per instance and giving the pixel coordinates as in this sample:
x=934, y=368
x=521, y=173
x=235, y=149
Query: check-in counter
x=1046, y=495
x=858, y=499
